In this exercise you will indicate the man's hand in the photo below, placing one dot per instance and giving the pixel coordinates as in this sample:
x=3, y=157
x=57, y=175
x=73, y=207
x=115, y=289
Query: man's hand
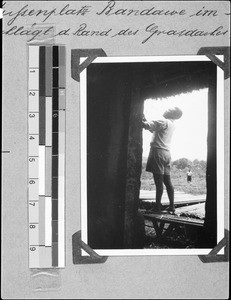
x=145, y=124
x=144, y=119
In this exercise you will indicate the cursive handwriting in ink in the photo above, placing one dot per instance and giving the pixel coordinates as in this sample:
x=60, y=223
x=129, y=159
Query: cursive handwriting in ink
x=84, y=31
x=153, y=29
x=22, y=31
x=111, y=9
x=205, y=13
x=126, y=32
x=63, y=32
x=25, y=11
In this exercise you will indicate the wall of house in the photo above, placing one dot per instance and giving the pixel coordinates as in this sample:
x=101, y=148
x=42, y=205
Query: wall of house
x=208, y=236
x=108, y=107
x=134, y=223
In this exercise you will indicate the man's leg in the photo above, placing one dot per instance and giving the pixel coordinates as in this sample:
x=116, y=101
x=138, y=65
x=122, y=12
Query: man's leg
x=158, y=179
x=170, y=190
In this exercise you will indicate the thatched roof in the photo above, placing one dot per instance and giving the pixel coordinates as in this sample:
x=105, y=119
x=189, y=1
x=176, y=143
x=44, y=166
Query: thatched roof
x=169, y=79
x=159, y=79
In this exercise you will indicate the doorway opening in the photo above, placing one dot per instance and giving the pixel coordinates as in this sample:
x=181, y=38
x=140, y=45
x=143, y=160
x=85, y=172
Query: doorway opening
x=188, y=154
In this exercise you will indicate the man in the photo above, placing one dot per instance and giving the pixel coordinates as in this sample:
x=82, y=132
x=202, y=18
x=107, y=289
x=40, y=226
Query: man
x=189, y=176
x=159, y=159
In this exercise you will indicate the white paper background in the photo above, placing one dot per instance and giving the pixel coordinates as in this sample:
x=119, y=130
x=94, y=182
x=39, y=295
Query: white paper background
x=150, y=277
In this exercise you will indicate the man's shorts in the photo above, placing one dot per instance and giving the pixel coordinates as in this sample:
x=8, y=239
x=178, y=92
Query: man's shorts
x=159, y=161
x=189, y=178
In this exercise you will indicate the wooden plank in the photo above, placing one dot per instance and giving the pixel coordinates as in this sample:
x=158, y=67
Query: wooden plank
x=177, y=203
x=168, y=230
x=192, y=211
x=156, y=227
x=173, y=219
x=179, y=197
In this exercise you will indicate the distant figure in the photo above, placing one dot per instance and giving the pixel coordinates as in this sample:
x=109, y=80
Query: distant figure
x=159, y=156
x=189, y=176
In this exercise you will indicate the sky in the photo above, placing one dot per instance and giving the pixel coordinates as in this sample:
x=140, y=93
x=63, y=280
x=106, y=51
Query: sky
x=190, y=136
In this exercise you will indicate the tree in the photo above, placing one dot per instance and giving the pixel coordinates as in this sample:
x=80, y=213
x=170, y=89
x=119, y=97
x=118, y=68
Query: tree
x=196, y=162
x=203, y=165
x=199, y=164
x=182, y=163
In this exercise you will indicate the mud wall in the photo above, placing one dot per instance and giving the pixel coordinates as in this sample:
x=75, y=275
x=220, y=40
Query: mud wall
x=108, y=105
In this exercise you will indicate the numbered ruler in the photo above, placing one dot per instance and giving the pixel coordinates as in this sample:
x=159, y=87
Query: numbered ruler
x=46, y=156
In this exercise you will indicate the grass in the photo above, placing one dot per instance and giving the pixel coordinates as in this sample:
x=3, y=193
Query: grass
x=179, y=179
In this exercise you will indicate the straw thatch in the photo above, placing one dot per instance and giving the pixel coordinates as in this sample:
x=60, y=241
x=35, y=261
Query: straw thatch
x=163, y=80
x=159, y=79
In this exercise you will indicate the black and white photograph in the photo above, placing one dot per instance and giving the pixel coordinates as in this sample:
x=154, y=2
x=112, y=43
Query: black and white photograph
x=149, y=155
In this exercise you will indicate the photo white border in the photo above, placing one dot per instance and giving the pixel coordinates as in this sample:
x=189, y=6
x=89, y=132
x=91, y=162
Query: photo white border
x=220, y=155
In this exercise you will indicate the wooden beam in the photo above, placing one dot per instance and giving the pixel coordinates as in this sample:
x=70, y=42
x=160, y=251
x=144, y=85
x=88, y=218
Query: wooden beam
x=167, y=218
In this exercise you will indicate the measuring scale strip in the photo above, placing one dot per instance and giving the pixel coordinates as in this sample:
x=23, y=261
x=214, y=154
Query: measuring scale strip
x=46, y=156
